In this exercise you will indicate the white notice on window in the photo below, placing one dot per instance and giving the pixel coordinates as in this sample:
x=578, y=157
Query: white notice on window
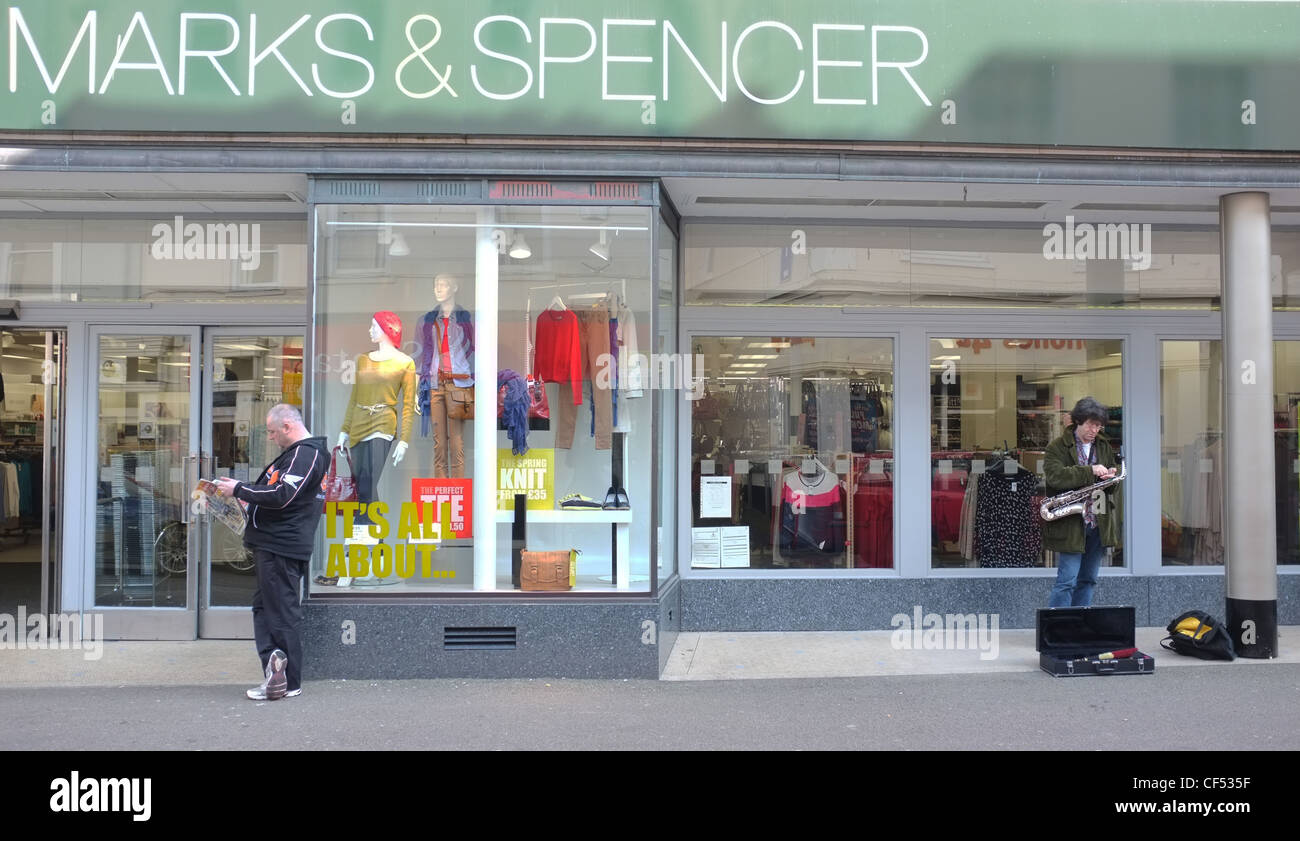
x=735, y=546
x=741, y=466
x=945, y=466
x=707, y=466
x=715, y=496
x=976, y=466
x=706, y=548
x=1175, y=465
x=774, y=466
x=842, y=466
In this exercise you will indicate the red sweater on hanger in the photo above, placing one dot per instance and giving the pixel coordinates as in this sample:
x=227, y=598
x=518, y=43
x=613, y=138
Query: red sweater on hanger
x=556, y=354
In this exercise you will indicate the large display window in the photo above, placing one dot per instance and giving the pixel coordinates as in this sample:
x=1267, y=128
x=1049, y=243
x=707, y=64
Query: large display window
x=996, y=407
x=463, y=351
x=792, y=457
x=1191, y=455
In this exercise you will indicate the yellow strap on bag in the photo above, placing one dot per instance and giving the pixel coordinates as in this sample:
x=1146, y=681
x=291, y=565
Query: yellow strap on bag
x=573, y=566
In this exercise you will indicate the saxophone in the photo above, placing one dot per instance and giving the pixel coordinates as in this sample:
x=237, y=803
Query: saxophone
x=1072, y=502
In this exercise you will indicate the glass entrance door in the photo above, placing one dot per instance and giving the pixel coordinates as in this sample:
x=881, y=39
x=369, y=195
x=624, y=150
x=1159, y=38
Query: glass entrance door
x=174, y=404
x=249, y=371
x=31, y=455
x=146, y=463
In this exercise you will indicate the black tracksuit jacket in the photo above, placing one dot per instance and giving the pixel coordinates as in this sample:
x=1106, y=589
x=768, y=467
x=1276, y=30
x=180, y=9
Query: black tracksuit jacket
x=286, y=502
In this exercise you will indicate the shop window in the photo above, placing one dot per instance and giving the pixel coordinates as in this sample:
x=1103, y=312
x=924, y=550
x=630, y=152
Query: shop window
x=1286, y=452
x=792, y=458
x=1191, y=460
x=408, y=299
x=201, y=259
x=1115, y=266
x=1191, y=453
x=997, y=406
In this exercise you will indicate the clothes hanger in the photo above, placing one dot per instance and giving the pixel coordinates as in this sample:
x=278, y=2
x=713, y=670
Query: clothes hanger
x=557, y=303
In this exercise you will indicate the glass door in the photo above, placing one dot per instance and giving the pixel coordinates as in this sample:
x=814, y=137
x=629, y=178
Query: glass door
x=31, y=451
x=146, y=464
x=249, y=371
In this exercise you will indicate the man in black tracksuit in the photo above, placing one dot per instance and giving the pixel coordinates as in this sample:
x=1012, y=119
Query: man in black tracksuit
x=284, y=508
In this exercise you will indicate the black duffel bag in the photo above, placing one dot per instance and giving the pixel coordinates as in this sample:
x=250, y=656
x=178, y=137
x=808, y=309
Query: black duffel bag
x=1198, y=634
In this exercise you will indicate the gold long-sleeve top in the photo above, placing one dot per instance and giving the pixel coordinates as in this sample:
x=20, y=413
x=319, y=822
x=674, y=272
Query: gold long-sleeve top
x=383, y=391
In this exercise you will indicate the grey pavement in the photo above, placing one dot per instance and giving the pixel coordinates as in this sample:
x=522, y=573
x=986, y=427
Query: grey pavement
x=189, y=696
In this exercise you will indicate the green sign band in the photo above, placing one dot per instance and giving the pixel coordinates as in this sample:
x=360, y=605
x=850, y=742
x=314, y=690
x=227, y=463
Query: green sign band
x=1162, y=73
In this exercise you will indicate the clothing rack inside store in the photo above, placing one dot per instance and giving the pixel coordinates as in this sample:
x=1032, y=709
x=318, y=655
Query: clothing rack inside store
x=19, y=527
x=607, y=288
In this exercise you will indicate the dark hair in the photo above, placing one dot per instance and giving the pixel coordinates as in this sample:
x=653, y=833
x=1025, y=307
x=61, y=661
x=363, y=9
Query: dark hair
x=1088, y=409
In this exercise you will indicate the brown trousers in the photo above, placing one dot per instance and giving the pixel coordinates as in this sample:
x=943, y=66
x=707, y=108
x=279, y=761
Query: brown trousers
x=448, y=434
x=593, y=341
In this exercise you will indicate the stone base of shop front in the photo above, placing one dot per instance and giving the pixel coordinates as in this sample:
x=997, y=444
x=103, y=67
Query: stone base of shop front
x=506, y=638
x=872, y=603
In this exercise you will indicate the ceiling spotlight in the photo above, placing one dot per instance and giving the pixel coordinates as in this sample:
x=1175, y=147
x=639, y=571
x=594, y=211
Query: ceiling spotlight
x=399, y=248
x=519, y=247
x=601, y=248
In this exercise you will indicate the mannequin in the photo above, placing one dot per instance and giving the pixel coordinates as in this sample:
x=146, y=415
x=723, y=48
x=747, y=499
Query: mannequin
x=379, y=408
x=447, y=376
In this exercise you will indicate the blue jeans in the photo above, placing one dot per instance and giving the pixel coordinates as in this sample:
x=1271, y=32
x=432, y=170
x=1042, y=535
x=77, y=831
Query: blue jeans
x=1076, y=574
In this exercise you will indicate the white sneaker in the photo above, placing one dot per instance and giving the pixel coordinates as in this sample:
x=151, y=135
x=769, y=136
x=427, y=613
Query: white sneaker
x=276, y=684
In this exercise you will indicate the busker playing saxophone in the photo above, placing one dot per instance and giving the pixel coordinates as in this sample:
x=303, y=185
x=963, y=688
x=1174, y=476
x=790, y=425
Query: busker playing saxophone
x=1081, y=456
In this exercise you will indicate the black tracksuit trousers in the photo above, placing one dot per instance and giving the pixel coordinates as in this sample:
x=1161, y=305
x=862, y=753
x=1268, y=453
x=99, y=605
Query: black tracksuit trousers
x=277, y=610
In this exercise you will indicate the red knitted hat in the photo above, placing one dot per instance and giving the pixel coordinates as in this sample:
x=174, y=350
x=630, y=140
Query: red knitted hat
x=391, y=325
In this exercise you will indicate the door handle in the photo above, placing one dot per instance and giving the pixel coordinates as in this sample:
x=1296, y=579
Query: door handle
x=206, y=465
x=191, y=481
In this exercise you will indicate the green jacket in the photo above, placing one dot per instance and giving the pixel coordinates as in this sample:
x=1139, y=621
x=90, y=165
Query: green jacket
x=1064, y=473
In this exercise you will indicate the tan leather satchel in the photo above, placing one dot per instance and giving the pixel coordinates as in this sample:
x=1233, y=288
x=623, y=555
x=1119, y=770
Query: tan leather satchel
x=460, y=403
x=545, y=570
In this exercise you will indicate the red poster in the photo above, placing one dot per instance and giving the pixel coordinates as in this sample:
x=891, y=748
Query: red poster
x=458, y=492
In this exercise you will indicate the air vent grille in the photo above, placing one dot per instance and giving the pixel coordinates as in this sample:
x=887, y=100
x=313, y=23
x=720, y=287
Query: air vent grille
x=354, y=188
x=442, y=189
x=479, y=639
x=616, y=190
x=523, y=190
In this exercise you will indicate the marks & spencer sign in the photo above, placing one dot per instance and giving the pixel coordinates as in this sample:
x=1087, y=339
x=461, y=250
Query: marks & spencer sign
x=1179, y=73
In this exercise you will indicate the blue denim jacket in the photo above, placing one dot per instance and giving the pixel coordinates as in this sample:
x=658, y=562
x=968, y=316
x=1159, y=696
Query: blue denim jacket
x=460, y=341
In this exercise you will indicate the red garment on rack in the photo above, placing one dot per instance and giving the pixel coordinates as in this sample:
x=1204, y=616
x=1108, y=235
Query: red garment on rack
x=556, y=354
x=873, y=522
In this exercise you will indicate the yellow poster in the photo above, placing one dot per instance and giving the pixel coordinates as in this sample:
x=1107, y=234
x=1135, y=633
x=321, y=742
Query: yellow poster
x=531, y=474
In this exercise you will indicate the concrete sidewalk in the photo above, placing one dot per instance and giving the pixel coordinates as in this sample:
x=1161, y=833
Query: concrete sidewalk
x=695, y=657
x=822, y=654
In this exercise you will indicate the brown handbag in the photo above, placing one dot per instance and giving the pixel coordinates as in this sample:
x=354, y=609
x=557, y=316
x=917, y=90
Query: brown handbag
x=460, y=403
x=544, y=570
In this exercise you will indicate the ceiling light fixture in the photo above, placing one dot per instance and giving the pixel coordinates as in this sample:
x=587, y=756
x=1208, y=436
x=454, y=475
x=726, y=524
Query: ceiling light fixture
x=519, y=247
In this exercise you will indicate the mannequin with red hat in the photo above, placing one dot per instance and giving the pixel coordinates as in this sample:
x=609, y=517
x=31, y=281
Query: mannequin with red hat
x=379, y=408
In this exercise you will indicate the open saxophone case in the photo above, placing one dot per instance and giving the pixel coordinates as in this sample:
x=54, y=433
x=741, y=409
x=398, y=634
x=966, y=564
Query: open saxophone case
x=1076, y=641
